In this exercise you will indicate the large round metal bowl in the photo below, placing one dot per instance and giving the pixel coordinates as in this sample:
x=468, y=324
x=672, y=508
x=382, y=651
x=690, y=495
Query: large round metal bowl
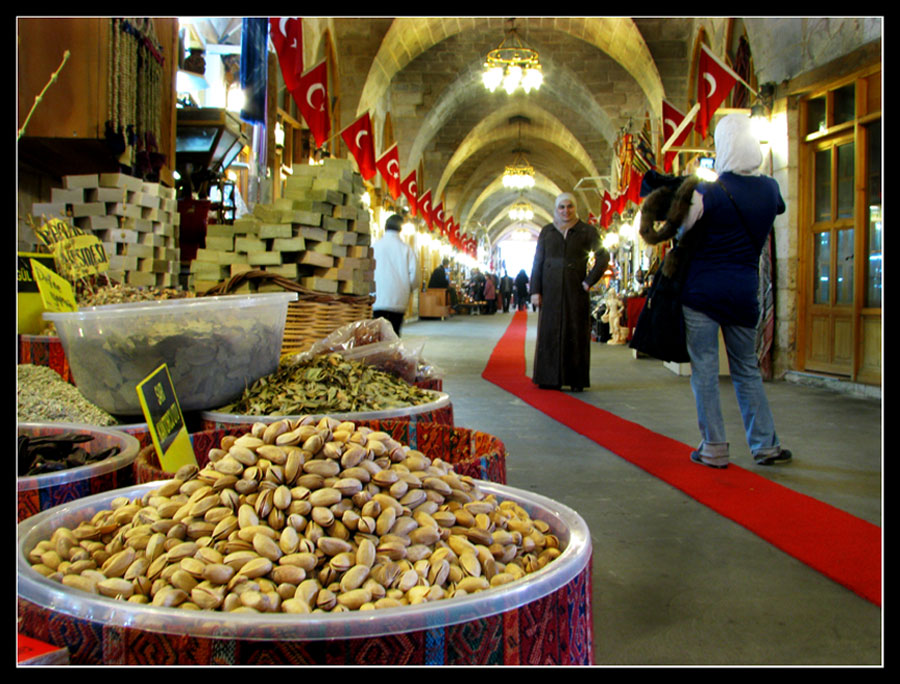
x=40, y=492
x=214, y=347
x=439, y=410
x=559, y=593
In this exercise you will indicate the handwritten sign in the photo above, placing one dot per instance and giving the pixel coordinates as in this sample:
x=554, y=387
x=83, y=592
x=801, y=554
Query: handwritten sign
x=57, y=230
x=56, y=292
x=80, y=256
x=165, y=420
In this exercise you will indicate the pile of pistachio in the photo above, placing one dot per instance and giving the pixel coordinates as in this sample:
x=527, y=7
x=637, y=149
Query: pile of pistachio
x=327, y=383
x=301, y=517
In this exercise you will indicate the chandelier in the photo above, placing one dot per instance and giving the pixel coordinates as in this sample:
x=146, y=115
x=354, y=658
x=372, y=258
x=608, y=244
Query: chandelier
x=512, y=65
x=521, y=211
x=519, y=176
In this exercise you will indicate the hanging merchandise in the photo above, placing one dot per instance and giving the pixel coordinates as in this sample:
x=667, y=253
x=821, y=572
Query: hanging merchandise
x=134, y=88
x=254, y=69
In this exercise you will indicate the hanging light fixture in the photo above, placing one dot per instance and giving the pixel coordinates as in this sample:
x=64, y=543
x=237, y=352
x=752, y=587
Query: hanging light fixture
x=521, y=211
x=513, y=65
x=520, y=174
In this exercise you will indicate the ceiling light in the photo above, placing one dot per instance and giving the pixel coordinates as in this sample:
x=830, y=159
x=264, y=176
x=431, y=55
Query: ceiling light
x=521, y=211
x=513, y=65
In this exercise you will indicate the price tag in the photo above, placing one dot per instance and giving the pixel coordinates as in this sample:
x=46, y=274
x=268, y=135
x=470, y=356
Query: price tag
x=80, y=256
x=56, y=292
x=165, y=420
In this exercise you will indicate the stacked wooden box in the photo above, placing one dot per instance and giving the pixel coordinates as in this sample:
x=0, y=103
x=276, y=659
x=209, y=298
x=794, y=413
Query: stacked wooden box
x=316, y=234
x=136, y=221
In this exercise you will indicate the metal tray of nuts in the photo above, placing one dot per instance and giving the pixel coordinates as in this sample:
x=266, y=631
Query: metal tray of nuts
x=566, y=524
x=440, y=401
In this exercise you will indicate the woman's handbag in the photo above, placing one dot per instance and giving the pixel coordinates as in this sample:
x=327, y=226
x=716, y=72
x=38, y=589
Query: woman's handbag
x=660, y=327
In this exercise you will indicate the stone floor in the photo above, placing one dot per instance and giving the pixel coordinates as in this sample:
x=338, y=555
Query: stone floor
x=675, y=583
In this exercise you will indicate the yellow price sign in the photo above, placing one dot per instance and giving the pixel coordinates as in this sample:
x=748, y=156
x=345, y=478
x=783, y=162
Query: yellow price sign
x=80, y=256
x=56, y=292
x=165, y=421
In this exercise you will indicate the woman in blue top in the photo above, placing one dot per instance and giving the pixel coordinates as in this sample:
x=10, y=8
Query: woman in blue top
x=732, y=219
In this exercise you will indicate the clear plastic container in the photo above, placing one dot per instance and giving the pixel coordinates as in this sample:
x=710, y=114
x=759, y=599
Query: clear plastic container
x=570, y=528
x=214, y=347
x=38, y=492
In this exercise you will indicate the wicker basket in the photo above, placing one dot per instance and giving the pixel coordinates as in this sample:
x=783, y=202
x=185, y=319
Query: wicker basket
x=313, y=316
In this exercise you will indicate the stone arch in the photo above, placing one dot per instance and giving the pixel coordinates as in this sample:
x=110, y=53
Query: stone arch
x=461, y=92
x=495, y=127
x=409, y=37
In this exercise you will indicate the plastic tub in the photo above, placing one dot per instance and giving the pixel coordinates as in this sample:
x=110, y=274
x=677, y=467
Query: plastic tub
x=214, y=347
x=440, y=410
x=477, y=454
x=37, y=493
x=542, y=619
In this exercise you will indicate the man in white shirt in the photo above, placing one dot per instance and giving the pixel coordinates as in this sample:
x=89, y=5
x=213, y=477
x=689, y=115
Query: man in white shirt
x=396, y=273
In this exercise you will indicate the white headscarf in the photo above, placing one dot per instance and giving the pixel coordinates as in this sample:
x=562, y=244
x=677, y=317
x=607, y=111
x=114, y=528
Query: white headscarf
x=737, y=148
x=556, y=220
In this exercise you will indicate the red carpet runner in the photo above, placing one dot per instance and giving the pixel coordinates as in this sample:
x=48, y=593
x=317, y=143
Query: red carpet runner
x=837, y=544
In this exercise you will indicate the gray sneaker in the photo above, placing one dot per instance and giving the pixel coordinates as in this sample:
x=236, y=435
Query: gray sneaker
x=783, y=456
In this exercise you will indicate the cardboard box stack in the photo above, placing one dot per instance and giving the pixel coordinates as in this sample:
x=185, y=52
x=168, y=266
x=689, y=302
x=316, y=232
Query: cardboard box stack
x=137, y=222
x=316, y=234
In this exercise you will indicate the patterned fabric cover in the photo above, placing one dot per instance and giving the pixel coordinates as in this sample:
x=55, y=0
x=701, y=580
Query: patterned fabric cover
x=553, y=630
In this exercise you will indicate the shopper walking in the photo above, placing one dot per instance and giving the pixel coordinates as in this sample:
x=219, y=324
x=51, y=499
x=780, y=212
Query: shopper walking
x=506, y=288
x=396, y=272
x=490, y=293
x=521, y=290
x=560, y=283
x=732, y=218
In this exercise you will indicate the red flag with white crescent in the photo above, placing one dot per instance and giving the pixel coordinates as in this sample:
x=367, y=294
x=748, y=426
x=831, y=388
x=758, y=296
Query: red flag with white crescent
x=311, y=96
x=606, y=210
x=409, y=189
x=358, y=137
x=425, y=209
x=714, y=82
x=437, y=217
x=389, y=166
x=287, y=37
x=672, y=119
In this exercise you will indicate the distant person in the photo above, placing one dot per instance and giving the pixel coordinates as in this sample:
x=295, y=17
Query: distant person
x=396, y=272
x=560, y=283
x=506, y=290
x=521, y=290
x=440, y=276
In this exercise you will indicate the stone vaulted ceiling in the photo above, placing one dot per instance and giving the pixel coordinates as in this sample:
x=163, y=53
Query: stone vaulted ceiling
x=601, y=75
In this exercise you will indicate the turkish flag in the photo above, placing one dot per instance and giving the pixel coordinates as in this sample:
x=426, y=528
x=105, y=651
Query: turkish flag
x=713, y=85
x=607, y=209
x=287, y=37
x=311, y=96
x=358, y=137
x=425, y=209
x=633, y=194
x=409, y=189
x=437, y=217
x=389, y=166
x=672, y=119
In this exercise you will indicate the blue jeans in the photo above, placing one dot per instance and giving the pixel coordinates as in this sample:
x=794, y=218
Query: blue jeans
x=702, y=334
